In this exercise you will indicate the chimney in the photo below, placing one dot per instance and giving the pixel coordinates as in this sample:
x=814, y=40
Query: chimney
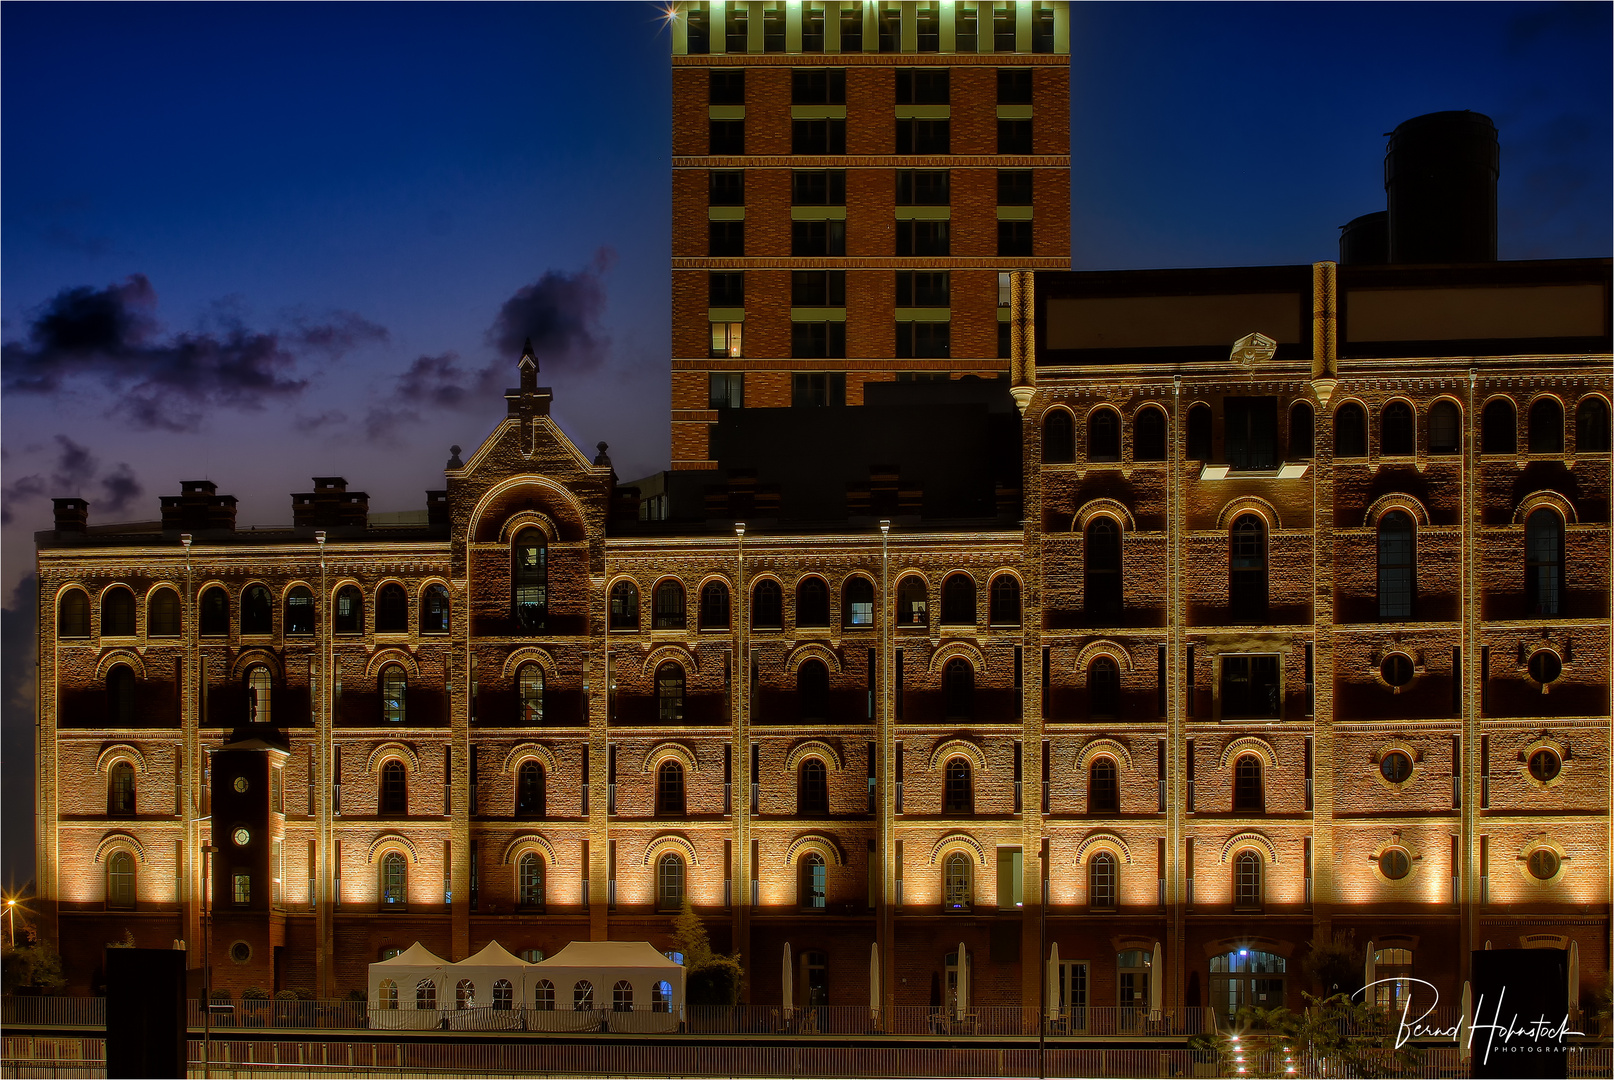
x=329, y=506
x=437, y=507
x=198, y=508
x=72, y=515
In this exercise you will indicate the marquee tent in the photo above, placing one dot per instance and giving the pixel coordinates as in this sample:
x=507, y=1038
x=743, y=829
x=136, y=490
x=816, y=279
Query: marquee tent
x=640, y=988
x=488, y=991
x=407, y=990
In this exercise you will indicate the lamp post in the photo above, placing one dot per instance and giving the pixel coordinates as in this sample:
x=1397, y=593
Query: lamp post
x=11, y=919
x=1042, y=965
x=207, y=954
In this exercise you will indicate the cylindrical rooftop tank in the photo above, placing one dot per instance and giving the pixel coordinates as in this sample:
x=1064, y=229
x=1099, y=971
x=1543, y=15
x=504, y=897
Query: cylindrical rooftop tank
x=1440, y=179
x=1365, y=241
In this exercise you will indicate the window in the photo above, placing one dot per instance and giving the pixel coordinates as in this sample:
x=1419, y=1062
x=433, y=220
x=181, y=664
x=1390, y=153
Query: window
x=530, y=790
x=922, y=86
x=725, y=187
x=818, y=86
x=1543, y=562
x=1247, y=880
x=923, y=288
x=1101, y=569
x=814, y=881
x=257, y=612
x=812, y=690
x=924, y=187
x=1252, y=432
x=260, y=691
x=241, y=887
x=349, y=610
x=465, y=994
x=389, y=990
x=958, y=601
x=1014, y=137
x=727, y=339
x=812, y=602
x=827, y=136
x=543, y=996
x=391, y=610
x=669, y=882
x=818, y=389
x=1103, y=687
x=624, y=606
x=529, y=579
x=1014, y=238
x=530, y=880
x=1546, y=426
x=394, y=795
x=434, y=610
x=958, y=795
x=582, y=996
x=857, y=602
x=669, y=605
x=725, y=137
x=818, y=187
x=725, y=288
x=1014, y=84
x=1104, y=435
x=727, y=86
x=117, y=612
x=1545, y=666
x=120, y=880
x=1350, y=431
x=725, y=239
x=394, y=694
x=1499, y=432
x=1544, y=864
x=1014, y=187
x=1398, y=561
x=958, y=688
x=1395, y=767
x=670, y=692
x=120, y=799
x=1249, y=795
x=1103, y=787
x=1247, y=569
x=912, y=602
x=1149, y=435
x=1058, y=438
x=1247, y=977
x=1199, y=432
x=812, y=41
x=1005, y=600
x=162, y=613
x=818, y=288
x=725, y=389
x=956, y=891
x=1445, y=428
x=1545, y=766
x=1591, y=426
x=394, y=880
x=120, y=696
x=73, y=615
x=714, y=606
x=1250, y=687
x=1302, y=430
x=622, y=992
x=924, y=340
x=1102, y=879
x=1394, y=864
x=1397, y=436
x=767, y=605
x=924, y=237
x=812, y=791
x=822, y=237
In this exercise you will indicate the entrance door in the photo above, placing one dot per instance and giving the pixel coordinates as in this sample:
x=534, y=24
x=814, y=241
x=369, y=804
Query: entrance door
x=813, y=990
x=1073, y=996
x=1246, y=978
x=1132, y=988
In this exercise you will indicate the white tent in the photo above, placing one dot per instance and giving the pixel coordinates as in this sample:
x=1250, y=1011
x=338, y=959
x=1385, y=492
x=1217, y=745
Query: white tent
x=407, y=991
x=496, y=991
x=651, y=1000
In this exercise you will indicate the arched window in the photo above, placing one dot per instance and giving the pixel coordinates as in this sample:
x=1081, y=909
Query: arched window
x=1103, y=687
x=260, y=693
x=299, y=619
x=394, y=794
x=1499, y=430
x=1058, y=438
x=812, y=602
x=257, y=611
x=213, y=615
x=465, y=994
x=1546, y=426
x=1543, y=562
x=812, y=690
x=1199, y=432
x=162, y=613
x=1445, y=428
x=530, y=790
x=73, y=614
x=504, y=994
x=1101, y=569
x=813, y=887
x=958, y=795
x=1249, y=795
x=530, y=881
x=394, y=693
x=669, y=614
x=349, y=610
x=1104, y=435
x=543, y=996
x=956, y=890
x=120, y=880
x=389, y=994
x=1350, y=431
x=1103, y=787
x=670, y=693
x=767, y=605
x=117, y=612
x=582, y=996
x=1398, y=562
x=1247, y=569
x=1591, y=426
x=1392, y=968
x=120, y=790
x=1005, y=600
x=624, y=606
x=434, y=610
x=661, y=997
x=622, y=996
x=857, y=602
x=1247, y=880
x=394, y=879
x=1149, y=435
x=669, y=882
x=426, y=995
x=1397, y=430
x=392, y=609
x=1102, y=880
x=958, y=601
x=714, y=606
x=812, y=791
x=529, y=581
x=1302, y=431
x=913, y=602
x=1245, y=976
x=670, y=789
x=958, y=688
x=120, y=696
x=530, y=691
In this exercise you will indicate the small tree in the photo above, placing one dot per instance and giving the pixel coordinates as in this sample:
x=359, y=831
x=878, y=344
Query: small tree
x=1332, y=1036
x=709, y=978
x=1335, y=965
x=32, y=964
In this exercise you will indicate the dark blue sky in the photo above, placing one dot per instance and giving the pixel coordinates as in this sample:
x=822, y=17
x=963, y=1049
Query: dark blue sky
x=257, y=243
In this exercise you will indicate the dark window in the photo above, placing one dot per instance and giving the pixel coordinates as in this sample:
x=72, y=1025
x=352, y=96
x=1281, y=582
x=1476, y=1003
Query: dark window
x=529, y=892
x=1014, y=136
x=1003, y=32
x=260, y=694
x=1199, y=432
x=299, y=611
x=669, y=605
x=1042, y=30
x=530, y=793
x=1398, y=561
x=818, y=288
x=714, y=606
x=670, y=882
x=924, y=340
x=670, y=789
x=1103, y=687
x=924, y=137
x=912, y=602
x=1250, y=687
x=922, y=86
x=624, y=606
x=118, y=612
x=1104, y=435
x=924, y=187
x=1302, y=426
x=767, y=605
x=818, y=137
x=964, y=29
x=812, y=690
x=434, y=610
x=394, y=796
x=1499, y=432
x=1544, y=765
x=394, y=694
x=727, y=87
x=818, y=341
x=1247, y=880
x=391, y=610
x=773, y=40
x=1252, y=432
x=852, y=28
x=809, y=238
x=812, y=30
x=813, y=879
x=958, y=686
x=1445, y=428
x=1058, y=438
x=727, y=187
x=1247, y=569
x=1101, y=881
x=1591, y=426
x=120, y=880
x=819, y=389
x=958, y=794
x=1014, y=238
x=1014, y=187
x=725, y=136
x=725, y=239
x=1396, y=669
x=818, y=86
x=1397, y=430
x=1350, y=431
x=1543, y=562
x=1005, y=600
x=890, y=26
x=1546, y=426
x=1395, y=767
x=818, y=187
x=1543, y=864
x=923, y=288
x=529, y=579
x=349, y=610
x=215, y=613
x=857, y=602
x=1103, y=787
x=726, y=289
x=958, y=600
x=698, y=42
x=1149, y=435
x=1014, y=84
x=1101, y=569
x=530, y=693
x=73, y=615
x=928, y=38
x=812, y=602
x=924, y=237
x=669, y=693
x=1248, y=792
x=120, y=798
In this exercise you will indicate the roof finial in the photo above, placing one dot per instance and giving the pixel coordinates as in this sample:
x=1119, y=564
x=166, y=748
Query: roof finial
x=528, y=367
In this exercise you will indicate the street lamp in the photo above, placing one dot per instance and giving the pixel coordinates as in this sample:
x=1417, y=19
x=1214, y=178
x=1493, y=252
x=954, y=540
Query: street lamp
x=207, y=954
x=11, y=919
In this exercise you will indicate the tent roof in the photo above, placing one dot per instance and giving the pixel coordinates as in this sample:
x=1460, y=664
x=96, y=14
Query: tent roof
x=493, y=955
x=417, y=955
x=609, y=954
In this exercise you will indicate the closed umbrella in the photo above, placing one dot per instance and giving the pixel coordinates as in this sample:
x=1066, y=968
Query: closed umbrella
x=1463, y=1025
x=961, y=999
x=1157, y=983
x=1370, y=972
x=1053, y=982
x=874, y=979
x=788, y=978
x=1574, y=976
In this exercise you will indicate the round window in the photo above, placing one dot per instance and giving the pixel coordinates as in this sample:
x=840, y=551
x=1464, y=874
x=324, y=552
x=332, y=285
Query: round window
x=1395, y=767
x=1543, y=864
x=240, y=784
x=240, y=952
x=1544, y=765
x=1397, y=670
x=242, y=836
x=1394, y=864
x=1545, y=666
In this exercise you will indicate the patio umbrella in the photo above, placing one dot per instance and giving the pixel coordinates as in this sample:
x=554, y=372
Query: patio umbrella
x=961, y=1000
x=1053, y=982
x=1574, y=976
x=1157, y=983
x=874, y=977
x=1463, y=1025
x=1370, y=972
x=788, y=979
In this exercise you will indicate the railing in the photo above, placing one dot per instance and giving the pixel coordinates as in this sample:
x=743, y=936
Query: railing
x=80, y=1012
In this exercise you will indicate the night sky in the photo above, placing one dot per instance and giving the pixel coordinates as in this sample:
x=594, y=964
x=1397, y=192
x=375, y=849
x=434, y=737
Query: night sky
x=256, y=243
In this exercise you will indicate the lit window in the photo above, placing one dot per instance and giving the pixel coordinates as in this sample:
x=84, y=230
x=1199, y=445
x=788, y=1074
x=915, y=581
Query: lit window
x=728, y=341
x=670, y=692
x=394, y=694
x=956, y=892
x=670, y=882
x=814, y=881
x=857, y=607
x=242, y=890
x=530, y=581
x=1247, y=880
x=530, y=881
x=394, y=879
x=1101, y=881
x=260, y=692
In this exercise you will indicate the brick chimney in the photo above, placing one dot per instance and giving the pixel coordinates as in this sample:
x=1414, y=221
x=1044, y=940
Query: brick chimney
x=198, y=508
x=330, y=505
x=72, y=515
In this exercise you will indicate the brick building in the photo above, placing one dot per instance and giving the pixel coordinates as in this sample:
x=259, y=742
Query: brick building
x=1289, y=615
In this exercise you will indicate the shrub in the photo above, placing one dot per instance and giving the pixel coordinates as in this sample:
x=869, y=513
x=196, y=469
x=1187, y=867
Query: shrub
x=302, y=993
x=254, y=993
x=357, y=995
x=285, y=995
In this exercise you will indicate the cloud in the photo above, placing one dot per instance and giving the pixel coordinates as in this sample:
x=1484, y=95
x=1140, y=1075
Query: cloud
x=75, y=469
x=23, y=489
x=561, y=313
x=110, y=338
x=307, y=423
x=74, y=466
x=17, y=644
x=120, y=489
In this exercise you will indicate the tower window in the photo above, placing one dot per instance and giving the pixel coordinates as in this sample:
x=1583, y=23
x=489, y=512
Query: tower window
x=117, y=612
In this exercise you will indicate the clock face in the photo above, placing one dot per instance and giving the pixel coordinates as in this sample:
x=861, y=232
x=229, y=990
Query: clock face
x=242, y=837
x=240, y=784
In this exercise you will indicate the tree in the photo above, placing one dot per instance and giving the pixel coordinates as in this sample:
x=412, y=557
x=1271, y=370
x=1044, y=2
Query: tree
x=1332, y=1036
x=32, y=964
x=1335, y=965
x=710, y=978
